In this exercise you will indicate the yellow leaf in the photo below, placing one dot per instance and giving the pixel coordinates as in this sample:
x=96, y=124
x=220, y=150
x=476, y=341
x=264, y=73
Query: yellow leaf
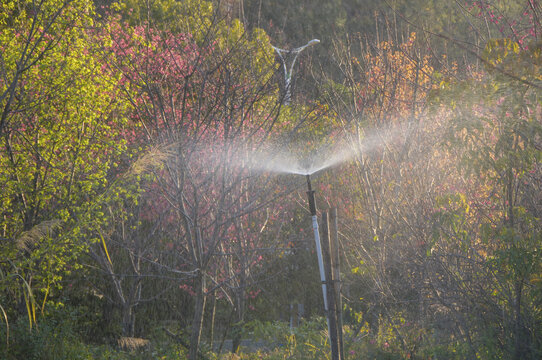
x=105, y=249
x=7, y=324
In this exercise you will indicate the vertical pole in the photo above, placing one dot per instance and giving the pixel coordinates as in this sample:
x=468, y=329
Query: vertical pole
x=288, y=91
x=312, y=208
x=334, y=231
x=333, y=338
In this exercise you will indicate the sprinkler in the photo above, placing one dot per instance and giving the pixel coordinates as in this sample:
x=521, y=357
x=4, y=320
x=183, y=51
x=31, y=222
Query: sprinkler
x=288, y=71
x=312, y=208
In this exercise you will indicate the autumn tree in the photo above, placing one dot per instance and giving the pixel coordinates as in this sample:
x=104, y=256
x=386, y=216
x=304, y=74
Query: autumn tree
x=389, y=189
x=499, y=132
x=208, y=98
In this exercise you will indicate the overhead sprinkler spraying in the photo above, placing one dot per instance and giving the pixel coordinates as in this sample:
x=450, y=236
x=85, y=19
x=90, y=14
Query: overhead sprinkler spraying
x=342, y=148
x=288, y=71
x=280, y=159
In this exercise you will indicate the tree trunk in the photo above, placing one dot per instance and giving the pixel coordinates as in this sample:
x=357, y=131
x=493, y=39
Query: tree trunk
x=197, y=321
x=213, y=318
x=238, y=326
x=128, y=320
x=520, y=348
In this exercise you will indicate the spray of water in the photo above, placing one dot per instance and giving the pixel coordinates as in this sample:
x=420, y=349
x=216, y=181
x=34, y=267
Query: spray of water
x=277, y=160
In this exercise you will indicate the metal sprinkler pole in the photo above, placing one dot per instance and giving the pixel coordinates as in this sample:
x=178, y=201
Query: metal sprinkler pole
x=312, y=208
x=288, y=70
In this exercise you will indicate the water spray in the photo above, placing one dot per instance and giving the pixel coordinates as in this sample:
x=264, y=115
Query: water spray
x=312, y=208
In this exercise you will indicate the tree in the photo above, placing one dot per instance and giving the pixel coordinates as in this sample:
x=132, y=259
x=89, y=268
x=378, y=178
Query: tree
x=209, y=100
x=408, y=178
x=499, y=133
x=60, y=125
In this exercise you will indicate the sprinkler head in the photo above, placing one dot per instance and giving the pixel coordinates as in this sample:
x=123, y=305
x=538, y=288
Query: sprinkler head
x=309, y=182
x=310, y=193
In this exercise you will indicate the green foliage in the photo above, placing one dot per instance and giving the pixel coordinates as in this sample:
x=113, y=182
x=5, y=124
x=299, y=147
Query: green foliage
x=450, y=222
x=307, y=341
x=51, y=338
x=61, y=138
x=58, y=335
x=186, y=16
x=495, y=132
x=298, y=21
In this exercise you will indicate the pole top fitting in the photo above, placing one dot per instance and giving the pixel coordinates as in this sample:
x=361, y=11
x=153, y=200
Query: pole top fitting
x=310, y=193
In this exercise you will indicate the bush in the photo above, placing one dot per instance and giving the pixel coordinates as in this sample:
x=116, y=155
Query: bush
x=51, y=338
x=307, y=341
